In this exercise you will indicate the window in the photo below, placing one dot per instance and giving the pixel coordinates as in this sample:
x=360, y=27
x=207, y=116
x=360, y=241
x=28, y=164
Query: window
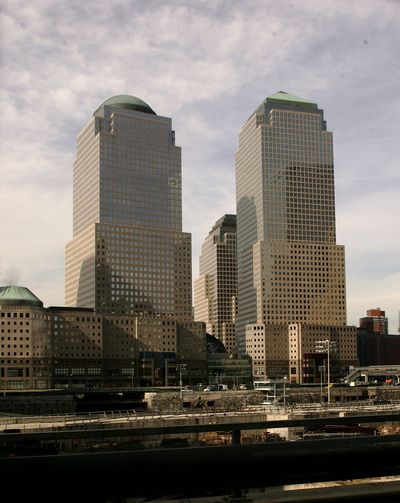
x=61, y=371
x=94, y=371
x=78, y=371
x=15, y=372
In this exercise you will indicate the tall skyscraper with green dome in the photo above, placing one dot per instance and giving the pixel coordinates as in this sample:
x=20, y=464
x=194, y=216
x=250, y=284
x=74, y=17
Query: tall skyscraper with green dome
x=128, y=254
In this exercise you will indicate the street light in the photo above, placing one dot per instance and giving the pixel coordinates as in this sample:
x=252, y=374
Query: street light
x=284, y=391
x=181, y=367
x=326, y=346
x=321, y=370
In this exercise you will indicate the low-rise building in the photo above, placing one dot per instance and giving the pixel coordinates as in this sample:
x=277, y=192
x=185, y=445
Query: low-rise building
x=60, y=347
x=300, y=351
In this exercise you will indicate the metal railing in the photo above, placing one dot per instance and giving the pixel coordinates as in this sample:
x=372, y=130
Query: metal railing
x=51, y=422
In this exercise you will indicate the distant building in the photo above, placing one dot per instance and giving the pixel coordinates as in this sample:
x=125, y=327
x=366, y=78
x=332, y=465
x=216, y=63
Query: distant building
x=297, y=351
x=375, y=346
x=375, y=322
x=382, y=350
x=226, y=369
x=215, y=291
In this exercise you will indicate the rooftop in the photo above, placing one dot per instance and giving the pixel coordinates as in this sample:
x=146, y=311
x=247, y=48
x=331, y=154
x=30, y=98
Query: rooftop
x=127, y=102
x=282, y=96
x=18, y=296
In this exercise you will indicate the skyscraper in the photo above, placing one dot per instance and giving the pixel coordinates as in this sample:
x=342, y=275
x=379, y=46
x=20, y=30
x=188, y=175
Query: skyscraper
x=128, y=254
x=215, y=291
x=290, y=269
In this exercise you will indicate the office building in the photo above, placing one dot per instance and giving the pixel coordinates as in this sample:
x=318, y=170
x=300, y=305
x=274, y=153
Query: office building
x=375, y=345
x=290, y=269
x=375, y=322
x=298, y=351
x=129, y=260
x=128, y=254
x=382, y=350
x=64, y=347
x=25, y=348
x=215, y=291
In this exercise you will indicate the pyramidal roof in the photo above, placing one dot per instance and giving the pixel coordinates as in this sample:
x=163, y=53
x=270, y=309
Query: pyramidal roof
x=18, y=296
x=291, y=98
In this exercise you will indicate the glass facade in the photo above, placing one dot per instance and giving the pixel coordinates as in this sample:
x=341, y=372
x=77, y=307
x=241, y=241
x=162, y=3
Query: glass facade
x=289, y=266
x=216, y=289
x=127, y=171
x=129, y=254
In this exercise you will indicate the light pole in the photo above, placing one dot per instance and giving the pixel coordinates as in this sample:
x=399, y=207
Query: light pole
x=182, y=366
x=132, y=371
x=326, y=346
x=329, y=371
x=284, y=391
x=321, y=369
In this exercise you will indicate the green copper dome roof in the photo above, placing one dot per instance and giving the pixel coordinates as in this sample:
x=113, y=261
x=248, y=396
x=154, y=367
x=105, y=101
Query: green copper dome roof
x=18, y=296
x=127, y=102
x=282, y=96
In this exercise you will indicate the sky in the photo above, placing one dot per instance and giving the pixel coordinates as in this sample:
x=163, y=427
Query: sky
x=207, y=65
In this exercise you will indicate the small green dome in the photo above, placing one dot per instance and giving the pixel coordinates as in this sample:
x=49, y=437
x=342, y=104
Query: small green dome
x=18, y=296
x=128, y=102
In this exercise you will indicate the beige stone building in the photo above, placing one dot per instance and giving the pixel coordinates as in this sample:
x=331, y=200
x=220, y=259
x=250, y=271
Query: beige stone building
x=43, y=348
x=215, y=291
x=25, y=344
x=290, y=269
x=47, y=347
x=299, y=351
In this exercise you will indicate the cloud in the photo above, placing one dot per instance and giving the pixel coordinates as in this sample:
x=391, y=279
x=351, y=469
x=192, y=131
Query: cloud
x=367, y=225
x=208, y=65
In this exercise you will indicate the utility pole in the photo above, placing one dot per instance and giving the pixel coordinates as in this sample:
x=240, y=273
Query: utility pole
x=325, y=346
x=321, y=370
x=329, y=372
x=284, y=391
x=181, y=367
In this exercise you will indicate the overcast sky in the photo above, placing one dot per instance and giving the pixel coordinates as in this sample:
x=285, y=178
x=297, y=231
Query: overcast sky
x=207, y=65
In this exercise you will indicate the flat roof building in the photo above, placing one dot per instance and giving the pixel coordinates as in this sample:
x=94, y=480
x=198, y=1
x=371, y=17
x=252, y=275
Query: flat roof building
x=375, y=322
x=64, y=347
x=215, y=290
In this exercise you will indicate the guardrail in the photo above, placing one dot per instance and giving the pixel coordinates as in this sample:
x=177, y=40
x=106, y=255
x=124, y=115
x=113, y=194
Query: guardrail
x=130, y=429
x=278, y=408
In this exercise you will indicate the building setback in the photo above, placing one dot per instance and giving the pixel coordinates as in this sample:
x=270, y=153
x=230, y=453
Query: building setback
x=290, y=269
x=128, y=254
x=215, y=291
x=129, y=257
